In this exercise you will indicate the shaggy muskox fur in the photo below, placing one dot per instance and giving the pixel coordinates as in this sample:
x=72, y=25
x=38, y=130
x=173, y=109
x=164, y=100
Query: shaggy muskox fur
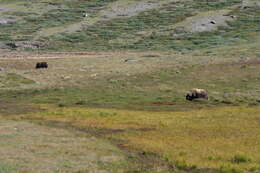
x=41, y=65
x=197, y=93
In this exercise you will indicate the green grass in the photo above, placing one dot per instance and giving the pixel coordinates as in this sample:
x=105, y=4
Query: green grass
x=30, y=20
x=13, y=80
x=163, y=89
x=238, y=158
x=147, y=30
x=126, y=33
x=7, y=168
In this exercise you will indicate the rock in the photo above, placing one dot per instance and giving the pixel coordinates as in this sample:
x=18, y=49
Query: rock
x=66, y=77
x=25, y=44
x=6, y=21
x=85, y=15
x=94, y=75
x=213, y=22
x=130, y=60
x=3, y=21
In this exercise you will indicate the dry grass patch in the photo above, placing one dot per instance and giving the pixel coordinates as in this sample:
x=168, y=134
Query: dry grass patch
x=84, y=68
x=26, y=147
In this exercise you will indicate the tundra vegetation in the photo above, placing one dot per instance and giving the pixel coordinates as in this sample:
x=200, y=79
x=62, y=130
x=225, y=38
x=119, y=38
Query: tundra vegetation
x=113, y=96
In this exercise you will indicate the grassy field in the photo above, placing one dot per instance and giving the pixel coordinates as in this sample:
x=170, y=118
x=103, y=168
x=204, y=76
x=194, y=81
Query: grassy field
x=113, y=96
x=154, y=29
x=108, y=81
x=224, y=138
x=143, y=111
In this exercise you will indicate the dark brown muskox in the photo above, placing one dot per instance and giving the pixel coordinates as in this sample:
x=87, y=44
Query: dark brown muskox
x=197, y=93
x=41, y=65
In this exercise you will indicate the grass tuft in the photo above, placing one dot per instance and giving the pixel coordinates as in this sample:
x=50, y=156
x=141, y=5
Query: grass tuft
x=239, y=158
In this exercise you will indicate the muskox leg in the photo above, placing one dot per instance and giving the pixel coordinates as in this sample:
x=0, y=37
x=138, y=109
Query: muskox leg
x=44, y=65
x=37, y=65
x=189, y=97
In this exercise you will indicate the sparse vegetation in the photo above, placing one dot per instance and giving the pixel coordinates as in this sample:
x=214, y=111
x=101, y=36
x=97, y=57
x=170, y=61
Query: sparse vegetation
x=13, y=80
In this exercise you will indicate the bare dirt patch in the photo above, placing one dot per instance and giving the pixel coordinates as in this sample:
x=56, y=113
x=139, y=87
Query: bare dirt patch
x=8, y=108
x=206, y=21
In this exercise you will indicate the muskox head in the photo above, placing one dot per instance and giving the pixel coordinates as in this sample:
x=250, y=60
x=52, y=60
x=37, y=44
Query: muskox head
x=189, y=97
x=196, y=94
x=41, y=65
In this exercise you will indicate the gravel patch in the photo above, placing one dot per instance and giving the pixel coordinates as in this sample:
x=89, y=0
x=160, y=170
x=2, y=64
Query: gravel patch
x=206, y=21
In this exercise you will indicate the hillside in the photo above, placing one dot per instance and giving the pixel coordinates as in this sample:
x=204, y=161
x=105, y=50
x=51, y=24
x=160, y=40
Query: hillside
x=113, y=98
x=128, y=24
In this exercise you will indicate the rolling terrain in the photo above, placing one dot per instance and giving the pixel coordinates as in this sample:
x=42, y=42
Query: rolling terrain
x=112, y=99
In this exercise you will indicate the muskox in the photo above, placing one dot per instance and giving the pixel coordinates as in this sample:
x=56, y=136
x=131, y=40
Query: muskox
x=197, y=93
x=41, y=65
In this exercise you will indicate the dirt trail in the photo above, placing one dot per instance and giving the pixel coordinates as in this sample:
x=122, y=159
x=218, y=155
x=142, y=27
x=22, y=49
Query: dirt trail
x=26, y=147
x=65, y=29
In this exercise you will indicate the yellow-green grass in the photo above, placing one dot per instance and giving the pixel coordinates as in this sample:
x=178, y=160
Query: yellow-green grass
x=223, y=138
